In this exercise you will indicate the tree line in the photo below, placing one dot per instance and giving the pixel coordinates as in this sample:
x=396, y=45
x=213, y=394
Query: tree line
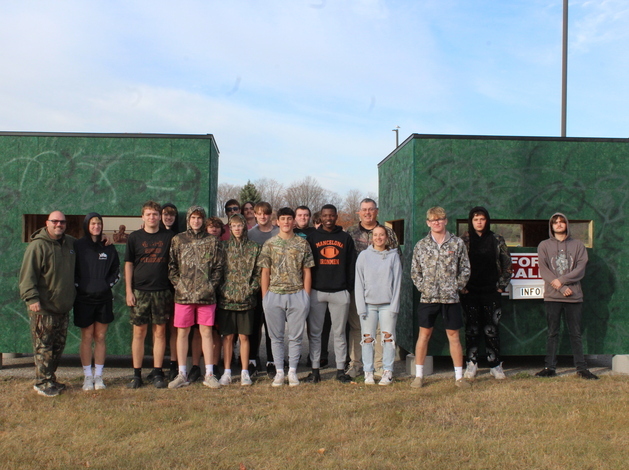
x=306, y=192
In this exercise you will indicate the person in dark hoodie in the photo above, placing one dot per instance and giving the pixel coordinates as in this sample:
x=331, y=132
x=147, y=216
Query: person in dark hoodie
x=97, y=271
x=332, y=281
x=562, y=261
x=481, y=299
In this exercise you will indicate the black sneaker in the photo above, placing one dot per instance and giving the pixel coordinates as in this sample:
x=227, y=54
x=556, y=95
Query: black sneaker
x=151, y=376
x=46, y=391
x=314, y=377
x=324, y=363
x=546, y=372
x=194, y=374
x=136, y=382
x=61, y=387
x=342, y=377
x=271, y=370
x=172, y=374
x=253, y=369
x=587, y=375
x=159, y=381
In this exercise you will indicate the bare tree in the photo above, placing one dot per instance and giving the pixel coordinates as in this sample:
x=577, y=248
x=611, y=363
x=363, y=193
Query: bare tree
x=307, y=192
x=351, y=206
x=225, y=192
x=271, y=191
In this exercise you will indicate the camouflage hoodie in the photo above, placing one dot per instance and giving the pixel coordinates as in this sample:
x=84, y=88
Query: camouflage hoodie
x=440, y=272
x=242, y=273
x=196, y=264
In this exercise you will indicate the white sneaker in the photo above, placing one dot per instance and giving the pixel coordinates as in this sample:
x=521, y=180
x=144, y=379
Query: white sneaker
x=88, y=383
x=293, y=381
x=369, y=378
x=245, y=379
x=387, y=378
x=211, y=381
x=498, y=372
x=98, y=383
x=180, y=381
x=470, y=370
x=226, y=379
x=278, y=381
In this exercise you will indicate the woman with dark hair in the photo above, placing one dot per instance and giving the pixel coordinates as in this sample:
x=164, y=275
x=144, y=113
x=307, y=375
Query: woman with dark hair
x=97, y=271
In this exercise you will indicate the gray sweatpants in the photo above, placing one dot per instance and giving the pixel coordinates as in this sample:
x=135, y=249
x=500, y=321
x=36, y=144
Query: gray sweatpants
x=338, y=303
x=286, y=314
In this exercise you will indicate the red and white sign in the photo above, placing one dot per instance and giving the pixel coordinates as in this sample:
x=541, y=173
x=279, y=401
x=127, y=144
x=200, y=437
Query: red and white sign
x=525, y=266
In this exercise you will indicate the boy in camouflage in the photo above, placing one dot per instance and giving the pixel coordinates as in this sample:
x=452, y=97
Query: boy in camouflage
x=440, y=269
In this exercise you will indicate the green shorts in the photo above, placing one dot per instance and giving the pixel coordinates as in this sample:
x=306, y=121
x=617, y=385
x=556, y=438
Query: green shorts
x=154, y=307
x=232, y=322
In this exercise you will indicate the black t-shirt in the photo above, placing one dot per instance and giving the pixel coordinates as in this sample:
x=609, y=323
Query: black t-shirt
x=149, y=253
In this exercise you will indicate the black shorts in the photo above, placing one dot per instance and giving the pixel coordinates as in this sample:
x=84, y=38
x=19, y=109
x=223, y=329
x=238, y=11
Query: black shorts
x=86, y=314
x=451, y=313
x=233, y=322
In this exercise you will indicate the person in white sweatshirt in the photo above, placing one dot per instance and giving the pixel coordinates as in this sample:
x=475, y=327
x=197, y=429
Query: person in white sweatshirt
x=377, y=290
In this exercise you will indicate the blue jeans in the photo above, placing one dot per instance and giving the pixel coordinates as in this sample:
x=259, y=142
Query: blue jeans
x=368, y=326
x=572, y=312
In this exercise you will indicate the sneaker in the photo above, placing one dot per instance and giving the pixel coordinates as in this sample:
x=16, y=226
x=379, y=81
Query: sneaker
x=59, y=386
x=546, y=372
x=271, y=371
x=136, y=382
x=180, y=381
x=211, y=381
x=418, y=382
x=50, y=391
x=497, y=372
x=252, y=369
x=98, y=383
x=387, y=378
x=351, y=371
x=226, y=379
x=293, y=381
x=323, y=363
x=587, y=375
x=470, y=370
x=369, y=378
x=195, y=374
x=159, y=381
x=278, y=381
x=462, y=383
x=314, y=377
x=342, y=377
x=378, y=373
x=245, y=379
x=151, y=376
x=172, y=374
x=88, y=383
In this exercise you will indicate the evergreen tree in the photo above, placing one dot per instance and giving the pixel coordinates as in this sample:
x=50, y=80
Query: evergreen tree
x=249, y=192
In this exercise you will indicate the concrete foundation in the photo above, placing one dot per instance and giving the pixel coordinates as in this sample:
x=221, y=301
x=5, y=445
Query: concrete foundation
x=620, y=364
x=410, y=365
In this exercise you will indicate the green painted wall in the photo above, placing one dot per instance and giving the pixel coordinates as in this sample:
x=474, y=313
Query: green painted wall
x=112, y=174
x=520, y=178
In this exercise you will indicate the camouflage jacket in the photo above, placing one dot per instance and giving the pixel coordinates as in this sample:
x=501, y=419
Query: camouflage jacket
x=440, y=272
x=362, y=237
x=241, y=282
x=503, y=259
x=195, y=267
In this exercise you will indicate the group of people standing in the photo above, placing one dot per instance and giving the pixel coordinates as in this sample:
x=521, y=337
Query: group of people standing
x=227, y=281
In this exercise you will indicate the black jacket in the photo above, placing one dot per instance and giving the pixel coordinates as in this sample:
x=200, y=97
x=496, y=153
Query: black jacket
x=335, y=260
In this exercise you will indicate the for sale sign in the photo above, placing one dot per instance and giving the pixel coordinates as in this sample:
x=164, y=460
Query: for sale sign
x=526, y=282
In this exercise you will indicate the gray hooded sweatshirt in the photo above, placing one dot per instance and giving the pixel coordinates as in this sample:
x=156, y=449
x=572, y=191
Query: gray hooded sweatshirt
x=564, y=260
x=378, y=279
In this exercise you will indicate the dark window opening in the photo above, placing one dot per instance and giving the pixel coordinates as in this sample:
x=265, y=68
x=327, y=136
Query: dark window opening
x=398, y=228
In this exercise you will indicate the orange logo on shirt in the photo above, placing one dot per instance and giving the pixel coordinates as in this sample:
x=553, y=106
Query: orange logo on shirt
x=329, y=252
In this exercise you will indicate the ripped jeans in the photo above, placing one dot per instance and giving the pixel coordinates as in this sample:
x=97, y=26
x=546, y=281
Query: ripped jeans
x=368, y=327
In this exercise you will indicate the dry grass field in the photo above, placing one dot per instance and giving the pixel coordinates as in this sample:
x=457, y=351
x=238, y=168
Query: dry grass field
x=521, y=423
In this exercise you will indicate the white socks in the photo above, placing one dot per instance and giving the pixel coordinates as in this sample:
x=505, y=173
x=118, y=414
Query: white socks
x=419, y=370
x=87, y=371
x=458, y=373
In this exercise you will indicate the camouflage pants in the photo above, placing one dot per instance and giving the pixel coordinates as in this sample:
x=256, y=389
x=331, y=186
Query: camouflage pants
x=48, y=333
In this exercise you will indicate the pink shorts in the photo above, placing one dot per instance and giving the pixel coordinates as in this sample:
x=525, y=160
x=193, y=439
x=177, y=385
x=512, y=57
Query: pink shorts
x=187, y=315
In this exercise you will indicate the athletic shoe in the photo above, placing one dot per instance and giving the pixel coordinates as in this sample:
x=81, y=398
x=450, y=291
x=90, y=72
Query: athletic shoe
x=323, y=363
x=98, y=383
x=293, y=381
x=314, y=377
x=172, y=374
x=462, y=383
x=59, y=386
x=245, y=379
x=88, y=383
x=351, y=371
x=378, y=373
x=587, y=375
x=136, y=382
x=226, y=379
x=470, y=370
x=253, y=369
x=498, y=372
x=210, y=381
x=49, y=391
x=387, y=378
x=342, y=377
x=159, y=381
x=195, y=374
x=278, y=381
x=418, y=382
x=271, y=371
x=546, y=372
x=180, y=381
x=151, y=376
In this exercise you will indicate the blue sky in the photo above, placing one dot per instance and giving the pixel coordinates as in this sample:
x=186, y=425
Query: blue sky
x=313, y=87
